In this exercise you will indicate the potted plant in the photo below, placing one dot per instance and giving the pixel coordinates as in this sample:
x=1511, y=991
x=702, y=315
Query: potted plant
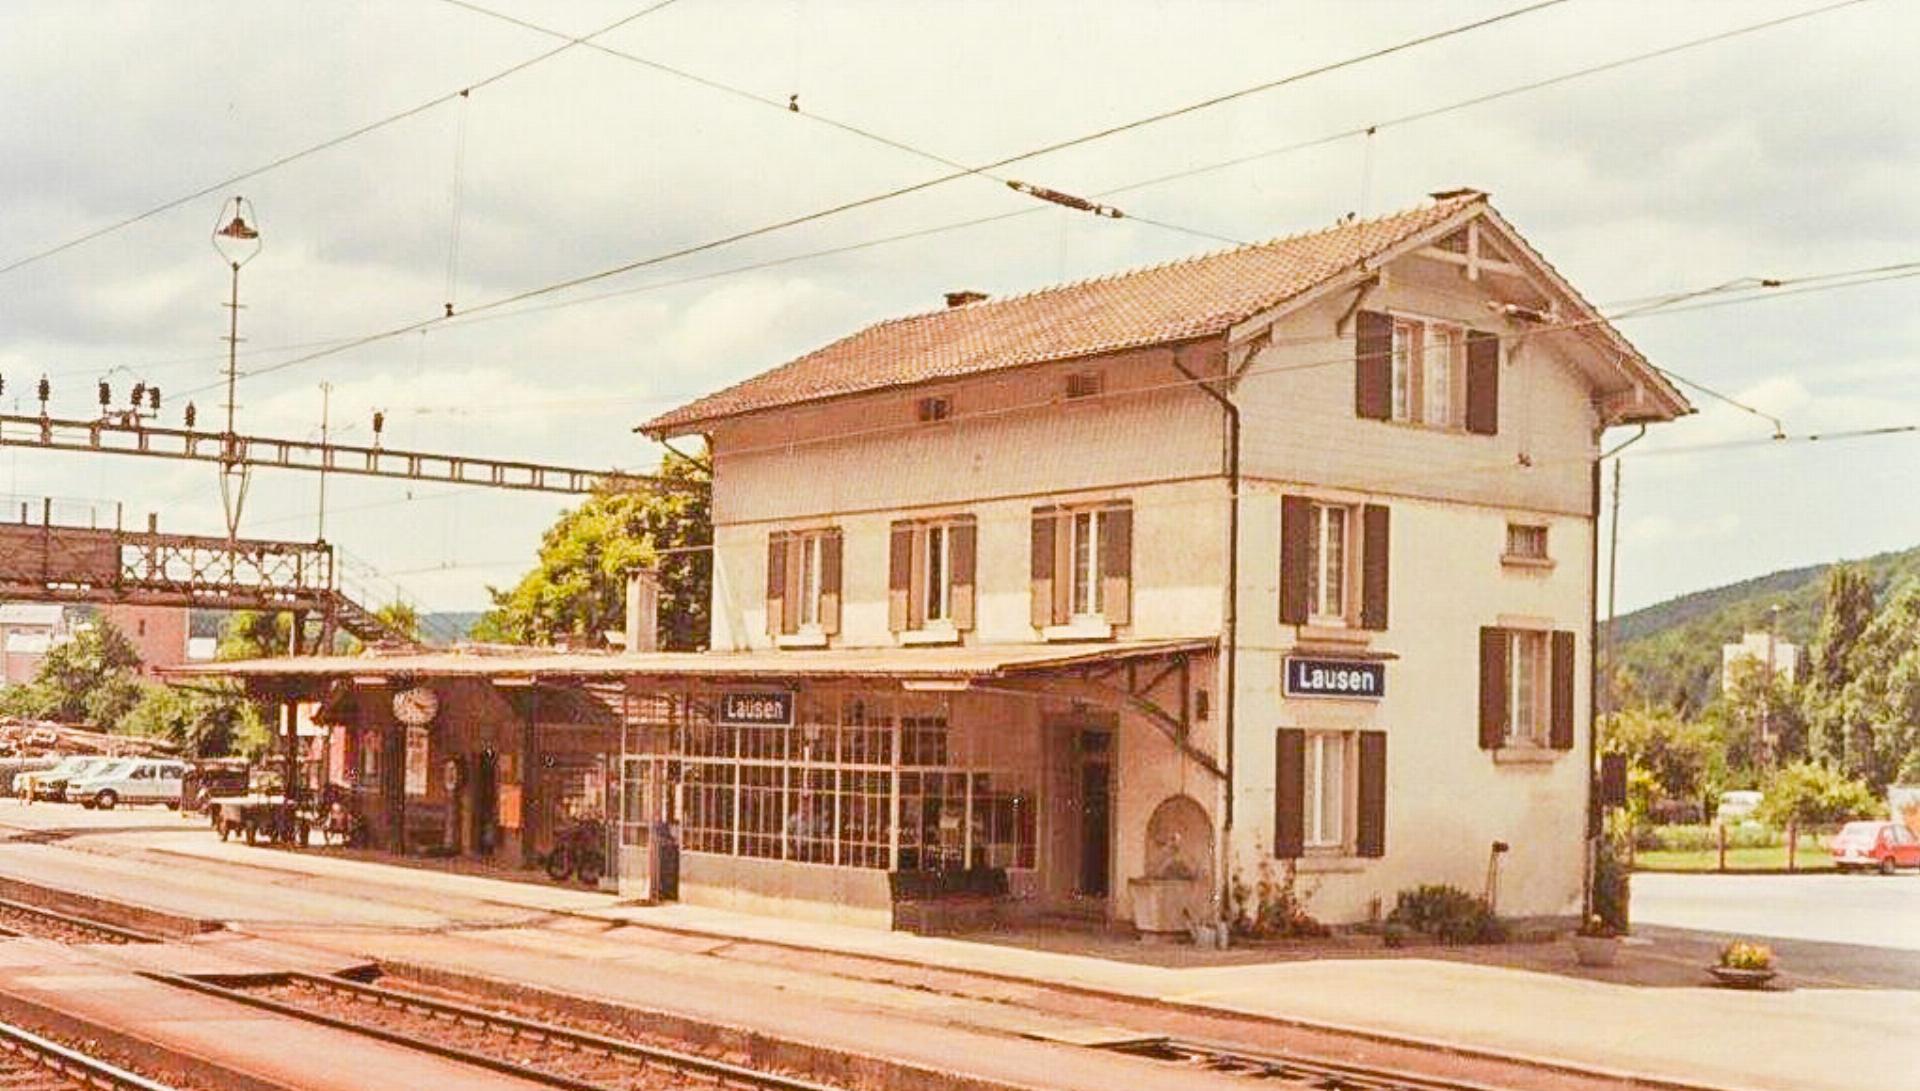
x=1597, y=943
x=1744, y=965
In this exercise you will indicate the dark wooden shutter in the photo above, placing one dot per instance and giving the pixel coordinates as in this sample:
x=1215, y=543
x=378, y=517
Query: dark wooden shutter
x=899, y=575
x=1289, y=793
x=963, y=540
x=1493, y=688
x=1560, y=727
x=791, y=608
x=776, y=582
x=1370, y=836
x=830, y=553
x=1116, y=564
x=1373, y=365
x=1483, y=382
x=1296, y=533
x=1374, y=567
x=1045, y=526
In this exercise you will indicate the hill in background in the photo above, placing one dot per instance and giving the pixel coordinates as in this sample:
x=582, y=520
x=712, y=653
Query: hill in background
x=1672, y=649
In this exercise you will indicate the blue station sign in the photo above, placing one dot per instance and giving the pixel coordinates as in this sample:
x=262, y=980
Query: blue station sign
x=1361, y=679
x=756, y=708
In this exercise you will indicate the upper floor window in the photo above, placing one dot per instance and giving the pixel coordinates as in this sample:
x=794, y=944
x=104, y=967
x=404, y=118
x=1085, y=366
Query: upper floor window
x=930, y=577
x=1526, y=688
x=934, y=409
x=1082, y=570
x=1526, y=542
x=1085, y=384
x=1327, y=564
x=803, y=582
x=1333, y=563
x=1423, y=371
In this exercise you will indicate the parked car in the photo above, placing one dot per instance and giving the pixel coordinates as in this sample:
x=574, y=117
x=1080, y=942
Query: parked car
x=52, y=784
x=1882, y=845
x=1737, y=807
x=136, y=780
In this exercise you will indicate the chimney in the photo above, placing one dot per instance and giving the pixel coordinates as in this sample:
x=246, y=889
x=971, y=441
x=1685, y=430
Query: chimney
x=962, y=298
x=643, y=611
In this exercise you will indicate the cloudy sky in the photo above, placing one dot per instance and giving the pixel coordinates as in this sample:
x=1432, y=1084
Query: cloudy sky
x=1782, y=153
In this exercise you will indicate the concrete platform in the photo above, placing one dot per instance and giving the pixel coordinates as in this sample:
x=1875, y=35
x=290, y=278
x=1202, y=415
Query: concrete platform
x=1645, y=1018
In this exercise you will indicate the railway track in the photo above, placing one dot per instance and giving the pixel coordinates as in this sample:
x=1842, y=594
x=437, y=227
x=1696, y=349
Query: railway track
x=29, y=1062
x=20, y=919
x=538, y=1052
x=1282, y=1070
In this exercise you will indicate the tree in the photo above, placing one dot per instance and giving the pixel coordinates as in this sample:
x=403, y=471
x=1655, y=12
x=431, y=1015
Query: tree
x=1874, y=722
x=206, y=721
x=1848, y=614
x=1680, y=759
x=1760, y=718
x=577, y=589
x=255, y=634
x=84, y=680
x=1809, y=793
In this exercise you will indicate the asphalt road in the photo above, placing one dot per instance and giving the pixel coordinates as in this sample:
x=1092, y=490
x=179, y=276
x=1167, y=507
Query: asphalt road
x=1828, y=929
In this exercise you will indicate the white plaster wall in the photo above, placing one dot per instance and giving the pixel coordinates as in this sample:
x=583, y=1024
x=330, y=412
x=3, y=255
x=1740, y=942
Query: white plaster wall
x=1297, y=405
x=1447, y=799
x=1179, y=564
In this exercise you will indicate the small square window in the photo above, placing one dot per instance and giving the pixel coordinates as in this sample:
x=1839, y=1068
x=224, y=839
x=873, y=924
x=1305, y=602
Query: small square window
x=1527, y=541
x=935, y=409
x=1085, y=384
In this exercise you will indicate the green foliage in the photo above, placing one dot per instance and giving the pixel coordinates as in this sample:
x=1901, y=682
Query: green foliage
x=577, y=589
x=255, y=634
x=85, y=680
x=1448, y=913
x=1612, y=882
x=1667, y=757
x=207, y=722
x=1699, y=838
x=1874, y=722
x=1753, y=706
x=1810, y=794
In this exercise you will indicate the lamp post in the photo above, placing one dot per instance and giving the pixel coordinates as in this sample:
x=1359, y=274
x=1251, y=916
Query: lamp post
x=1766, y=693
x=237, y=241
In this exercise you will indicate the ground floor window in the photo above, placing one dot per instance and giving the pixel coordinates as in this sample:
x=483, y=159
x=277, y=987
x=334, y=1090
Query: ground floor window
x=861, y=779
x=1326, y=789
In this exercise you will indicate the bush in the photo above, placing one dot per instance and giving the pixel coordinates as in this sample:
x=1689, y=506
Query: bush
x=1704, y=838
x=1811, y=794
x=1448, y=913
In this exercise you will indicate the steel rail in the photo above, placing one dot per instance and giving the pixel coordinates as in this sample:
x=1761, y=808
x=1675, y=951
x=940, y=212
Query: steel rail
x=81, y=1069
x=234, y=988
x=1293, y=1069
x=78, y=923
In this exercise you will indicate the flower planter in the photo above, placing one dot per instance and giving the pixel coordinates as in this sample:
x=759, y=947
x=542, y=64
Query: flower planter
x=1596, y=950
x=1735, y=977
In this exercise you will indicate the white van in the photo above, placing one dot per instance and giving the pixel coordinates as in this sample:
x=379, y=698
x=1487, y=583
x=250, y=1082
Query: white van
x=135, y=780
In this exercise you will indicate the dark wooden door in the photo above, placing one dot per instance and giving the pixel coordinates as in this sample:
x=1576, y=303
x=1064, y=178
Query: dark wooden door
x=1096, y=812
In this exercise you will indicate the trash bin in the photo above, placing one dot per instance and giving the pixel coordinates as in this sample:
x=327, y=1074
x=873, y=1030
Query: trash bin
x=663, y=851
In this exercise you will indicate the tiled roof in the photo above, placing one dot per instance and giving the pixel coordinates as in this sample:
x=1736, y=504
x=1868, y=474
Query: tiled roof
x=1191, y=298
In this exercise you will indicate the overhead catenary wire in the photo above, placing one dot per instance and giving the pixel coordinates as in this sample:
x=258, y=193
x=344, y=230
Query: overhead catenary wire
x=331, y=142
x=334, y=345
x=789, y=222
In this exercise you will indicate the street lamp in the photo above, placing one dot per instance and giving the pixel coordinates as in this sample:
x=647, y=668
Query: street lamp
x=237, y=241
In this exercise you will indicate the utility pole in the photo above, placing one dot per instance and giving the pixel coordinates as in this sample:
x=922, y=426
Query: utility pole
x=326, y=399
x=237, y=242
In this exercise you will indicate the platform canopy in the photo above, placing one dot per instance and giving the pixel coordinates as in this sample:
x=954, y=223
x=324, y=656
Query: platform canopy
x=954, y=665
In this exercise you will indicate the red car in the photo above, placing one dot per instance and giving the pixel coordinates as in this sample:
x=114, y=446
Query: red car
x=1883, y=845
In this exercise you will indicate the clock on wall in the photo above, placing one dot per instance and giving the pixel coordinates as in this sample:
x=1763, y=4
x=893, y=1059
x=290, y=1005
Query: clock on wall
x=417, y=706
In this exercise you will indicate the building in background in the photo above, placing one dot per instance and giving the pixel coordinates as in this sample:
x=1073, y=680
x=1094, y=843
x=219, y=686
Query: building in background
x=1763, y=650
x=158, y=633
x=28, y=631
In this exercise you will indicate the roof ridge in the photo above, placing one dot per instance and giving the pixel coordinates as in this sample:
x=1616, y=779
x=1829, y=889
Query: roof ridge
x=1459, y=198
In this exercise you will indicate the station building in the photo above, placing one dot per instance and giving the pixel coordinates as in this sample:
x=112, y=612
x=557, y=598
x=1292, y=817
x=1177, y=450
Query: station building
x=1118, y=601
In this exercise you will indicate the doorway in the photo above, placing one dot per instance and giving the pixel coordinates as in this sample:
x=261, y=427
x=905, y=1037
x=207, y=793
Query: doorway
x=486, y=802
x=1093, y=755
